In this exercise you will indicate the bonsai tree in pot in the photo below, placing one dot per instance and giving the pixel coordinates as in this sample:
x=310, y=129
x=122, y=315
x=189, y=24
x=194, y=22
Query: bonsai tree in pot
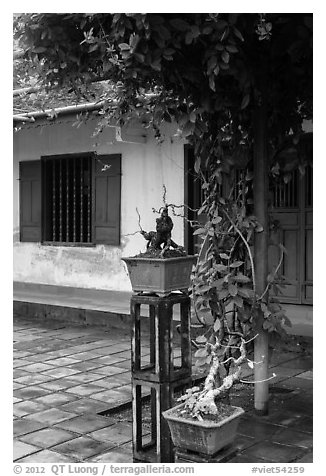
x=162, y=236
x=165, y=266
x=226, y=304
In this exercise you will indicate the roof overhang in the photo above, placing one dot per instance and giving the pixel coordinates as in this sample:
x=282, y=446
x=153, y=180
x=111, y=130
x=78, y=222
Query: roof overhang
x=50, y=113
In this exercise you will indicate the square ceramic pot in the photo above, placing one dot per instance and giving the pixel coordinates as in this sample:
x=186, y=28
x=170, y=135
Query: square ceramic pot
x=160, y=276
x=206, y=437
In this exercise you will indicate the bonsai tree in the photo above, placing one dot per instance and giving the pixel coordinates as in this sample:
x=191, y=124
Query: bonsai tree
x=225, y=297
x=162, y=235
x=238, y=86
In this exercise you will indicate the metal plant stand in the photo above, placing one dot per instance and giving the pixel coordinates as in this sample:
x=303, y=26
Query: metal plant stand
x=158, y=378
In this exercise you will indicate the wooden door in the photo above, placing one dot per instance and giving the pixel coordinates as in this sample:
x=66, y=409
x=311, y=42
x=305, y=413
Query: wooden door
x=291, y=214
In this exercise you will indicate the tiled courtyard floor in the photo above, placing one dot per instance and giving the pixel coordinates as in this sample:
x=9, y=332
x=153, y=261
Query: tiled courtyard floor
x=65, y=376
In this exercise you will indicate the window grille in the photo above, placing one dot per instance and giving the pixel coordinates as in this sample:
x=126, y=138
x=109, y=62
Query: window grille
x=68, y=199
x=285, y=195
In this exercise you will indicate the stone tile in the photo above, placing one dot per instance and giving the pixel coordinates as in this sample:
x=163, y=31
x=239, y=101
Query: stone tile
x=301, y=406
x=51, y=345
x=113, y=349
x=108, y=383
x=104, y=346
x=283, y=373
x=98, y=344
x=110, y=370
x=16, y=400
x=52, y=416
x=125, y=389
x=65, y=361
x=20, y=363
x=44, y=357
x=125, y=377
x=307, y=458
x=111, y=359
x=126, y=364
x=17, y=385
x=293, y=438
x=117, y=379
x=125, y=354
x=60, y=372
x=37, y=367
x=33, y=379
x=27, y=407
x=304, y=423
x=86, y=423
x=114, y=456
x=85, y=377
x=68, y=335
x=117, y=434
x=84, y=390
x=297, y=383
x=18, y=373
x=82, y=356
x=86, y=366
x=307, y=375
x=126, y=447
x=81, y=448
x=47, y=437
x=18, y=354
x=246, y=459
x=22, y=426
x=22, y=449
x=56, y=399
x=78, y=347
x=47, y=456
x=85, y=405
x=30, y=392
x=279, y=417
x=111, y=396
x=56, y=385
x=256, y=429
x=242, y=442
x=301, y=363
x=61, y=353
x=274, y=452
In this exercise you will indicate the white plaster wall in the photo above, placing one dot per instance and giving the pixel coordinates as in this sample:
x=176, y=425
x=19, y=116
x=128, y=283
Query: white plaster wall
x=145, y=168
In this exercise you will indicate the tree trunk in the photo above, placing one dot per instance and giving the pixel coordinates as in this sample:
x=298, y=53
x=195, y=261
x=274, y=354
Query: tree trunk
x=260, y=252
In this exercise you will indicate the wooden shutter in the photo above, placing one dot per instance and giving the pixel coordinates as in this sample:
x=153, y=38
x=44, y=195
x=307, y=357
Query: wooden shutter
x=30, y=200
x=106, y=202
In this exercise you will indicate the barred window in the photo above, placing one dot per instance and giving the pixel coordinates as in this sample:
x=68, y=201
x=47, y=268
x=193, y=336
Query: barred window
x=71, y=200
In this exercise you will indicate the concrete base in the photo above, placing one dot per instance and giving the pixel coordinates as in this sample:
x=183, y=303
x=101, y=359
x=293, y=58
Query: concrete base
x=72, y=315
x=223, y=456
x=102, y=307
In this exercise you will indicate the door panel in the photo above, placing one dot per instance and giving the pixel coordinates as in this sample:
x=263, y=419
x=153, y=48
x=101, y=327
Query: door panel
x=288, y=234
x=292, y=210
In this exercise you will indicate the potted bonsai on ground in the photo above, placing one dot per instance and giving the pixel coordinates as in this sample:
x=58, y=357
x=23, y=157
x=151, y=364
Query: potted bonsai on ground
x=203, y=423
x=226, y=304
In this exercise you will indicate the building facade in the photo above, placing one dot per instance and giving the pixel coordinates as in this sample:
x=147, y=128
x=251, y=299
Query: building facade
x=79, y=200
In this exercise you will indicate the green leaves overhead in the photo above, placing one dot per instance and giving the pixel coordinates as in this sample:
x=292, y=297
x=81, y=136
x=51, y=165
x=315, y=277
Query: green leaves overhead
x=204, y=65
